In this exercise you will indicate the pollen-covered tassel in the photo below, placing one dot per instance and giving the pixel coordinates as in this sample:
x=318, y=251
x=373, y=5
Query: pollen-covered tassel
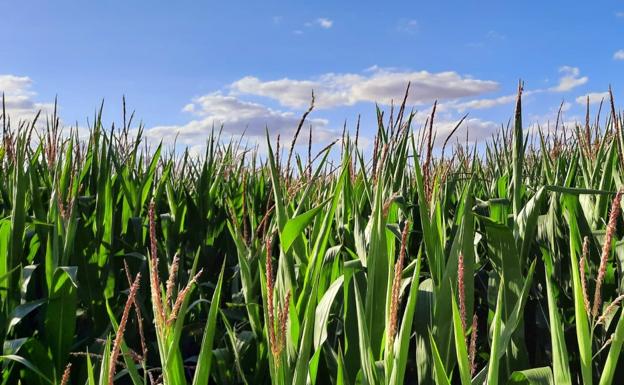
x=378, y=170
x=473, y=344
x=139, y=317
x=171, y=281
x=610, y=309
x=606, y=251
x=461, y=289
x=159, y=316
x=396, y=285
x=246, y=237
x=181, y=296
x=269, y=288
x=283, y=322
x=120, y=330
x=66, y=374
x=282, y=327
x=427, y=178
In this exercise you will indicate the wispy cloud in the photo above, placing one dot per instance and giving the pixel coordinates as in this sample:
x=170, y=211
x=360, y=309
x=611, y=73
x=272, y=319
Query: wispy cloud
x=570, y=79
x=594, y=97
x=619, y=55
x=495, y=36
x=409, y=26
x=479, y=104
x=322, y=22
x=377, y=85
x=490, y=38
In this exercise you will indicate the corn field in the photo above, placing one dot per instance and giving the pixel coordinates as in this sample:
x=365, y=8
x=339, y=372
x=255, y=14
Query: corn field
x=126, y=263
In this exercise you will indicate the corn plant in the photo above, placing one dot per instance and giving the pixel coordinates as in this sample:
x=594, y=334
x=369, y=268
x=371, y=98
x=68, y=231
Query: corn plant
x=125, y=261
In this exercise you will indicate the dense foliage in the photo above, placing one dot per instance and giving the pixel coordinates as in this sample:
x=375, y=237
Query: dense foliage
x=501, y=264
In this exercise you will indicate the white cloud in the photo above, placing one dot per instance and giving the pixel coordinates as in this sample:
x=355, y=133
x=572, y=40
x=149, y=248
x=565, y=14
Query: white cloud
x=324, y=22
x=237, y=117
x=619, y=14
x=376, y=85
x=594, y=97
x=478, y=130
x=547, y=126
x=565, y=106
x=547, y=122
x=408, y=26
x=19, y=98
x=570, y=79
x=478, y=104
x=495, y=35
x=490, y=38
x=619, y=55
x=321, y=22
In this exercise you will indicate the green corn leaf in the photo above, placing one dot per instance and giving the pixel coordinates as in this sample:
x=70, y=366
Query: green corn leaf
x=460, y=345
x=497, y=346
x=583, y=333
x=322, y=312
x=526, y=223
x=518, y=155
x=510, y=325
x=21, y=311
x=367, y=361
x=90, y=374
x=311, y=282
x=26, y=363
x=204, y=360
x=405, y=332
x=60, y=317
x=441, y=378
x=103, y=380
x=608, y=372
x=295, y=226
x=561, y=368
x=535, y=376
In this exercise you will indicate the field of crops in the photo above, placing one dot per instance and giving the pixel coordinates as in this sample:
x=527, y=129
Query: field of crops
x=129, y=264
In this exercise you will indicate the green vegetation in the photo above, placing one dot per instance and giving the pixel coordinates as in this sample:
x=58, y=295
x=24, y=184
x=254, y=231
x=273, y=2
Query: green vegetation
x=128, y=265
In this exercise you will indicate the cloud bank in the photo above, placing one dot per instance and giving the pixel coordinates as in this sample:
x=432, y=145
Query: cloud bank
x=19, y=98
x=216, y=110
x=377, y=85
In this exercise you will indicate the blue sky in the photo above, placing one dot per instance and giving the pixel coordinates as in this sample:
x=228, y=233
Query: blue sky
x=185, y=66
